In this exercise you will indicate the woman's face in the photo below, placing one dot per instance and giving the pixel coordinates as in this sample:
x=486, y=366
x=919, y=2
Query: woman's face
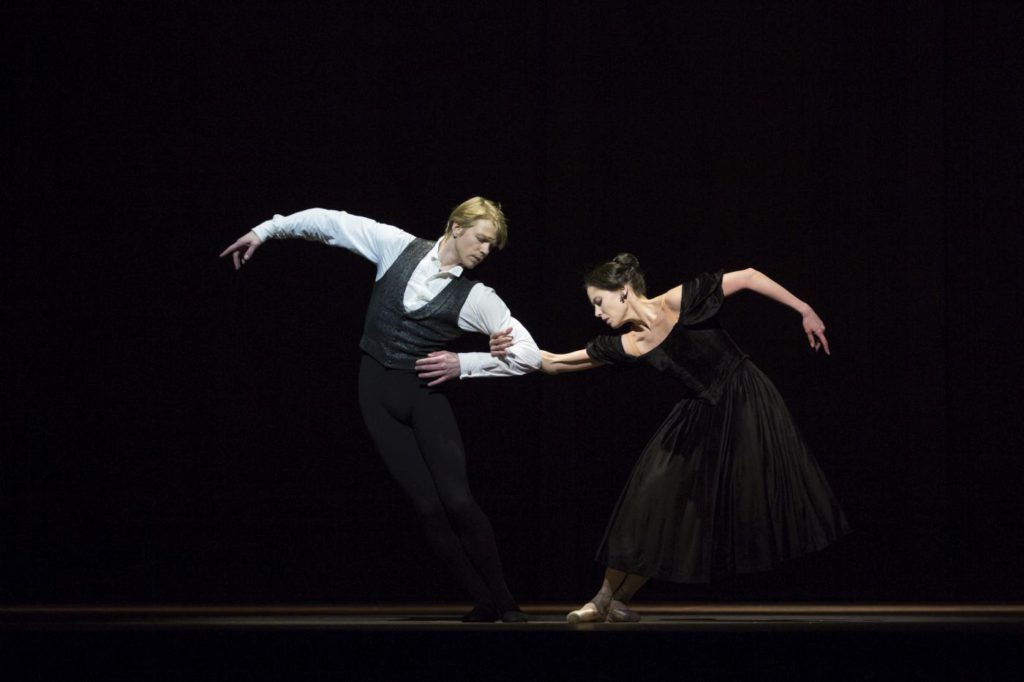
x=608, y=305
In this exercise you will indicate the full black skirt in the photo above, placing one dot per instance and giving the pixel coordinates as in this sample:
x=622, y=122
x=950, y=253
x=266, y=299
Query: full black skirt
x=722, y=488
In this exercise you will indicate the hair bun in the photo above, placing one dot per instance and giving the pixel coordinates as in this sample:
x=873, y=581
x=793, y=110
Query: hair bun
x=627, y=260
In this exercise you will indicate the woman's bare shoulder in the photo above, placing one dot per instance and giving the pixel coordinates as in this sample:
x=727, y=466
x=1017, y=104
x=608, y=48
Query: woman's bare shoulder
x=674, y=298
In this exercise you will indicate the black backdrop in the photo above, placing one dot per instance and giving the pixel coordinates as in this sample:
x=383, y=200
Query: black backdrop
x=179, y=432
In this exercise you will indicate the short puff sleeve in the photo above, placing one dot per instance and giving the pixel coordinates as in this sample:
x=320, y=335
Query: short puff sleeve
x=608, y=349
x=702, y=297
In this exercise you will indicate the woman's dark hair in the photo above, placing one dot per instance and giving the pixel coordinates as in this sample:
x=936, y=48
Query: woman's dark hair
x=616, y=273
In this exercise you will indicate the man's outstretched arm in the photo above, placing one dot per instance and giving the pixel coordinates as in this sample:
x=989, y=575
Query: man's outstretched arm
x=377, y=242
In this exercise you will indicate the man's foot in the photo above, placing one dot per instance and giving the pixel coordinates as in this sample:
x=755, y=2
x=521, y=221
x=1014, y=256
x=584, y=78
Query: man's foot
x=588, y=613
x=485, y=612
x=514, y=615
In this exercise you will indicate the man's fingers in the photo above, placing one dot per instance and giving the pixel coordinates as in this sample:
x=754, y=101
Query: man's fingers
x=234, y=257
x=235, y=246
x=429, y=366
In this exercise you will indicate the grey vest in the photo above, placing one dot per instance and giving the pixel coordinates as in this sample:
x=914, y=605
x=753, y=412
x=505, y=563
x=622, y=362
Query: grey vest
x=396, y=338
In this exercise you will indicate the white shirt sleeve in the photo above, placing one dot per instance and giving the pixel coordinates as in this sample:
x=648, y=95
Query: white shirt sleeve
x=377, y=242
x=485, y=312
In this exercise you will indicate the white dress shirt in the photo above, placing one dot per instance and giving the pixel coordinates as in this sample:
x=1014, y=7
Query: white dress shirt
x=483, y=311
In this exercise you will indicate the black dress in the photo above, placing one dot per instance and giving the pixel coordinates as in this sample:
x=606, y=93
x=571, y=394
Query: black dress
x=726, y=484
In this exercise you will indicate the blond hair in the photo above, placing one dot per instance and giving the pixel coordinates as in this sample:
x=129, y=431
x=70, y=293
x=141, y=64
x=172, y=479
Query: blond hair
x=475, y=209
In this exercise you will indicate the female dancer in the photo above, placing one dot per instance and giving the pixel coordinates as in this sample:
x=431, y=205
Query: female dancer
x=726, y=484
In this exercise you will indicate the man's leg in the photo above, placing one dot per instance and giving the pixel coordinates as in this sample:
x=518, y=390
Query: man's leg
x=396, y=443
x=441, y=443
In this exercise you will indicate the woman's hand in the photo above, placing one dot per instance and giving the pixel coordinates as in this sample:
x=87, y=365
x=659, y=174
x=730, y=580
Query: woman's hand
x=243, y=248
x=500, y=341
x=815, y=330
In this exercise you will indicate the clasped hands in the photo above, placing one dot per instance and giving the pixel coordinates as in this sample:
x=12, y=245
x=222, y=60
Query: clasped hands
x=442, y=365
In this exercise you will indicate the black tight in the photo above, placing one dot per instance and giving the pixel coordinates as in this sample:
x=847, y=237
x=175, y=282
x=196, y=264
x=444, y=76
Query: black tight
x=416, y=435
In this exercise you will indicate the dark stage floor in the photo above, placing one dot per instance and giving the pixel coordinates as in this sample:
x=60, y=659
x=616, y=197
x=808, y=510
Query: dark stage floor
x=694, y=641
x=544, y=617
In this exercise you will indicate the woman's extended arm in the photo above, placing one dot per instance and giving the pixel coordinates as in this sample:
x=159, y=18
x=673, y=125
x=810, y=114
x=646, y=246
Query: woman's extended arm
x=756, y=281
x=550, y=363
x=553, y=363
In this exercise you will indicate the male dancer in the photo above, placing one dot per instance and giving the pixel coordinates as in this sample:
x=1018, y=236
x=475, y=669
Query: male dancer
x=422, y=299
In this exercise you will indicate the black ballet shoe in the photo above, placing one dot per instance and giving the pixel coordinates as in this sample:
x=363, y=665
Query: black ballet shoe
x=481, y=613
x=514, y=615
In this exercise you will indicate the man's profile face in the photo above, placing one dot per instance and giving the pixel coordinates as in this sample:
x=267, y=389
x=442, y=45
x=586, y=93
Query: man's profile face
x=474, y=243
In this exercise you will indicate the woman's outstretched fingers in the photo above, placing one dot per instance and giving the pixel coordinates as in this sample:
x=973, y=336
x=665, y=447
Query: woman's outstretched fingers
x=815, y=330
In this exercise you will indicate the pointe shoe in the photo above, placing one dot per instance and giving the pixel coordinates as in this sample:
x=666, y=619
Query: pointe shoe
x=623, y=614
x=588, y=613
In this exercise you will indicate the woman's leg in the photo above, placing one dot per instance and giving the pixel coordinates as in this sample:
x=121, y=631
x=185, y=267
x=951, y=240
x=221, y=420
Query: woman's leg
x=597, y=608
x=618, y=609
x=613, y=579
x=629, y=587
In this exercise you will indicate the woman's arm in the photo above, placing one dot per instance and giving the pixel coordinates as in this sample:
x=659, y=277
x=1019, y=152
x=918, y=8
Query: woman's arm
x=550, y=363
x=578, y=360
x=759, y=282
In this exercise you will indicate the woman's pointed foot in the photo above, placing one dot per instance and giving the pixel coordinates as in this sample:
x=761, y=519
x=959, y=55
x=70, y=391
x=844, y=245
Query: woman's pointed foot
x=588, y=613
x=620, y=613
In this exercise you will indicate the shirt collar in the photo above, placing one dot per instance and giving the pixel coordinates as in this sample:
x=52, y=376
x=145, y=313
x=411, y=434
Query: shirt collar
x=435, y=260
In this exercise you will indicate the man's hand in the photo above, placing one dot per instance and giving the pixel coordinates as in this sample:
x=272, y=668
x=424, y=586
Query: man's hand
x=500, y=341
x=815, y=330
x=241, y=251
x=441, y=365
